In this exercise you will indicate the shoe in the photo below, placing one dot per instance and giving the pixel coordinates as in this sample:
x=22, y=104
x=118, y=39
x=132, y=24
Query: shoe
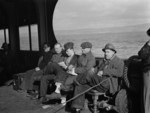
x=46, y=103
x=54, y=96
x=63, y=101
x=32, y=94
x=109, y=107
x=52, y=102
x=46, y=106
x=34, y=97
x=77, y=111
x=22, y=91
x=43, y=99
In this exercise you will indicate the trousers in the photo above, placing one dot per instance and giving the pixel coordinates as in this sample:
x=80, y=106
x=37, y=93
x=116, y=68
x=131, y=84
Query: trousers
x=78, y=103
x=52, y=72
x=146, y=91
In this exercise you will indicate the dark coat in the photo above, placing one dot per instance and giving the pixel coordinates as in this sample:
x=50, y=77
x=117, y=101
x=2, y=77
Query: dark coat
x=74, y=60
x=144, y=54
x=56, y=58
x=85, y=63
x=45, y=59
x=113, y=69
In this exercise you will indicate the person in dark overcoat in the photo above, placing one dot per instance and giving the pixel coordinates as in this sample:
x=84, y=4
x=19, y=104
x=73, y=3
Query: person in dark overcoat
x=109, y=67
x=144, y=54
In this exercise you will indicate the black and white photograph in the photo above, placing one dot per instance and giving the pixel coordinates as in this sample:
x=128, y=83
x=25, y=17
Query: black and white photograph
x=74, y=56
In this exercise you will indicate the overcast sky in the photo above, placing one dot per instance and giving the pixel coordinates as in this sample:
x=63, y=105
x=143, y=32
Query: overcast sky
x=79, y=14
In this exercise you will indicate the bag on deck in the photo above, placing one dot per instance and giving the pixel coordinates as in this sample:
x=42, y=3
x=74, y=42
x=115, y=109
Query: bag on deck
x=16, y=82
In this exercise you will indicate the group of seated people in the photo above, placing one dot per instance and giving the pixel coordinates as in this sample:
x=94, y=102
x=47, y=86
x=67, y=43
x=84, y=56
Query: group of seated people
x=75, y=73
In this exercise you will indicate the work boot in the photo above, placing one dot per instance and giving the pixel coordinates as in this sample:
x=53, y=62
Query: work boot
x=54, y=96
x=43, y=99
x=63, y=101
x=76, y=111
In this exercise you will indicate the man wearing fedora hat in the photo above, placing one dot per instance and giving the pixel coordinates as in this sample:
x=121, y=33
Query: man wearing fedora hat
x=109, y=67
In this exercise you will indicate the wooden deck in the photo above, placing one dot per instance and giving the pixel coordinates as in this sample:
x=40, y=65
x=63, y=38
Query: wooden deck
x=12, y=101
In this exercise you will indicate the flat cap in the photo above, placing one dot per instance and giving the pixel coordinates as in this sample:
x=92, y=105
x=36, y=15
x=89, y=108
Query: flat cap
x=68, y=45
x=86, y=45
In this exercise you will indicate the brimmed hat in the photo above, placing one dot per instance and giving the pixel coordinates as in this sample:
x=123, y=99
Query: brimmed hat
x=86, y=45
x=110, y=47
x=68, y=45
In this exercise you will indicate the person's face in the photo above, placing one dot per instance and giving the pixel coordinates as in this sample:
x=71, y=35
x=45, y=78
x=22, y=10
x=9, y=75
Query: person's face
x=69, y=52
x=86, y=50
x=46, y=48
x=108, y=54
x=58, y=48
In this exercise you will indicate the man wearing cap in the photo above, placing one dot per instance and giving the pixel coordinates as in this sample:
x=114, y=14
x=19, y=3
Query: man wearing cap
x=5, y=62
x=77, y=73
x=58, y=71
x=30, y=75
x=85, y=63
x=109, y=67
